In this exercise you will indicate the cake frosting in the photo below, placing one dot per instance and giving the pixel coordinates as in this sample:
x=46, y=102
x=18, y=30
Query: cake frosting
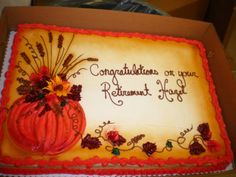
x=100, y=102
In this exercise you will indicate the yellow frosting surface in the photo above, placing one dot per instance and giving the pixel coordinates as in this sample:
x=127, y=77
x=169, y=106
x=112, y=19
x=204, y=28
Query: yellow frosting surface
x=171, y=98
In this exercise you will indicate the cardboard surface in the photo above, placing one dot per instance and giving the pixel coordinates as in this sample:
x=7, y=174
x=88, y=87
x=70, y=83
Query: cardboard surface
x=134, y=22
x=191, y=9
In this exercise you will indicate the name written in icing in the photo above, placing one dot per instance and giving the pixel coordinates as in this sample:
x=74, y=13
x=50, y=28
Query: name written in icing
x=168, y=93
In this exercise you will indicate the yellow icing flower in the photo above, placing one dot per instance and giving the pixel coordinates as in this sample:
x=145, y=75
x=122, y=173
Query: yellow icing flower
x=58, y=86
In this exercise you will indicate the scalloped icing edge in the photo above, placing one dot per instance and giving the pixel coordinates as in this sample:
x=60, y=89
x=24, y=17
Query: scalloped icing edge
x=5, y=64
x=217, y=164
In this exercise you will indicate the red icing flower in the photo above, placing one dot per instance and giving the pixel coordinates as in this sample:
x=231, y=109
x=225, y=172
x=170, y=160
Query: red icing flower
x=75, y=92
x=35, y=78
x=43, y=70
x=32, y=96
x=149, y=148
x=205, y=132
x=213, y=146
x=113, y=135
x=40, y=79
x=115, y=138
x=196, y=148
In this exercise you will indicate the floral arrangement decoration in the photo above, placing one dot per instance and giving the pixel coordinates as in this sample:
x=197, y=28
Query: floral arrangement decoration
x=47, y=117
x=49, y=80
x=198, y=144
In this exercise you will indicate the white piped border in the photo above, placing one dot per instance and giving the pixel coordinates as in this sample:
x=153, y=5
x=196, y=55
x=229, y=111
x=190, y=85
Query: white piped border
x=6, y=59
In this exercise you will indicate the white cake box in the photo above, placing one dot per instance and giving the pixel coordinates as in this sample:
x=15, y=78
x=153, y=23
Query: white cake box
x=143, y=23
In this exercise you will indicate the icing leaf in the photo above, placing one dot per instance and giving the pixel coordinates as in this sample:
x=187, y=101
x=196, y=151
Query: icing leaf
x=115, y=151
x=169, y=144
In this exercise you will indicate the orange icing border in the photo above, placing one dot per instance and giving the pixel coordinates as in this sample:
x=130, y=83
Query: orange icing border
x=219, y=163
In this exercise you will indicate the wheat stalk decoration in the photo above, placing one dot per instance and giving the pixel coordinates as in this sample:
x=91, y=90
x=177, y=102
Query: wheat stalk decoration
x=41, y=54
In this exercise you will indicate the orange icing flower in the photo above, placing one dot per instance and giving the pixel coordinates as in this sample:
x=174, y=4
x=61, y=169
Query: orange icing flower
x=58, y=86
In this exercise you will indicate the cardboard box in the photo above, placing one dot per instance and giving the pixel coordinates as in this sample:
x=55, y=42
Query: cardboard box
x=191, y=9
x=135, y=22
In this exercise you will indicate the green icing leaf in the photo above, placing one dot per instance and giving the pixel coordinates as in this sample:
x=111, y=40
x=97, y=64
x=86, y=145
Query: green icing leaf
x=115, y=151
x=169, y=144
x=63, y=103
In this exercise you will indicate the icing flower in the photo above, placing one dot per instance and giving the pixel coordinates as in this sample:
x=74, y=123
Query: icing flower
x=44, y=70
x=90, y=142
x=196, y=148
x=149, y=148
x=35, y=77
x=113, y=135
x=115, y=138
x=205, y=132
x=213, y=146
x=33, y=96
x=58, y=86
x=40, y=79
x=75, y=92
